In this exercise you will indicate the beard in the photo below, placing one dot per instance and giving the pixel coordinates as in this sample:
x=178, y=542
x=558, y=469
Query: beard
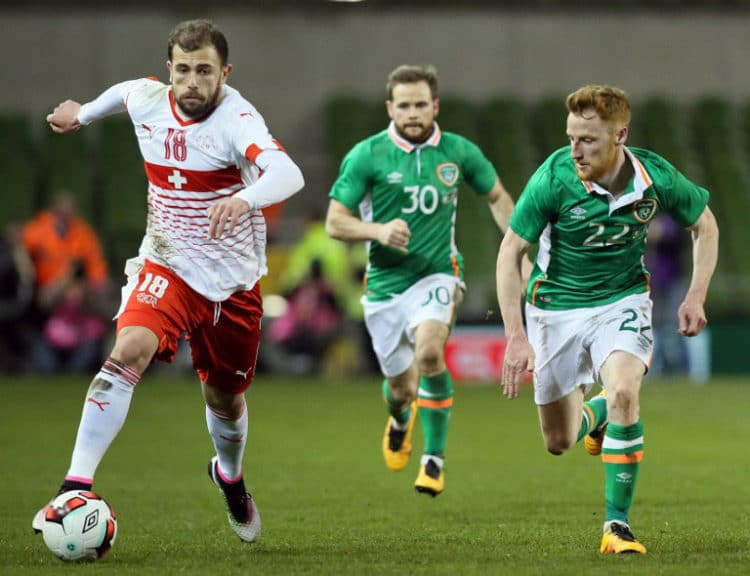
x=198, y=108
x=599, y=168
x=415, y=133
x=591, y=174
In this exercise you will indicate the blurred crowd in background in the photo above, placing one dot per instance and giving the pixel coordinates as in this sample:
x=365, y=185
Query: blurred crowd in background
x=58, y=299
x=504, y=90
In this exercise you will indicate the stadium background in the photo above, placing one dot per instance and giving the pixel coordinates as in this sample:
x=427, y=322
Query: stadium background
x=316, y=71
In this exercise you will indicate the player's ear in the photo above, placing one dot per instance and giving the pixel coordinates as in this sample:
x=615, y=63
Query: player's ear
x=169, y=67
x=622, y=135
x=389, y=108
x=225, y=72
x=436, y=106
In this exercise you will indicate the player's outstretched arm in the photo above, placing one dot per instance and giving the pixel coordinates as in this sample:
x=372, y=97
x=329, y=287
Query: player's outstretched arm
x=341, y=224
x=691, y=315
x=519, y=356
x=70, y=115
x=64, y=118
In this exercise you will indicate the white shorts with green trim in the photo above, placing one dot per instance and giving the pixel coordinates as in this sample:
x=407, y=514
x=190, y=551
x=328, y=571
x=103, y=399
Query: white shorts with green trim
x=572, y=345
x=392, y=323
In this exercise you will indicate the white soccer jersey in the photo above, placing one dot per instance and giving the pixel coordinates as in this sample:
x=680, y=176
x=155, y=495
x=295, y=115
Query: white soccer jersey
x=191, y=164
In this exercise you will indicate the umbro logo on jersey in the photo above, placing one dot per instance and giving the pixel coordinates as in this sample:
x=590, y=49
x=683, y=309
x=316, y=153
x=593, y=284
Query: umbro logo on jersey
x=578, y=213
x=395, y=178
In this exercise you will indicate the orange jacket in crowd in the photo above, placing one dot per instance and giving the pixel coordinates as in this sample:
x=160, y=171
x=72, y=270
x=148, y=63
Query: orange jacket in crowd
x=54, y=255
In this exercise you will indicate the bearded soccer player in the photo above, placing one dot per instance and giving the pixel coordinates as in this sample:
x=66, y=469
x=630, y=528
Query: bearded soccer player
x=588, y=308
x=204, y=147
x=398, y=190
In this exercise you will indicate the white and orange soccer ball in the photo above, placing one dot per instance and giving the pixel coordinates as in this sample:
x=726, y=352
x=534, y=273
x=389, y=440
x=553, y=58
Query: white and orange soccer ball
x=79, y=526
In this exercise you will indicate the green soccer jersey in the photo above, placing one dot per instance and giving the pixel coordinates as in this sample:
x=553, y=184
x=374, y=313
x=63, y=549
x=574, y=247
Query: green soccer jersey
x=591, y=245
x=387, y=177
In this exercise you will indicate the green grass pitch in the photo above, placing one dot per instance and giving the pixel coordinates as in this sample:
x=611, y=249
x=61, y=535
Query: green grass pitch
x=329, y=505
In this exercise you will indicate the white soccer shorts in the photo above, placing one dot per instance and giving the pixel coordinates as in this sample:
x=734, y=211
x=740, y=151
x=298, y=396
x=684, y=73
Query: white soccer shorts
x=392, y=323
x=572, y=345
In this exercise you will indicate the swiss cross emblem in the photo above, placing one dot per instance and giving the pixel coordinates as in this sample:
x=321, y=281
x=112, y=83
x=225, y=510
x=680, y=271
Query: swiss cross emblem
x=177, y=179
x=645, y=210
x=448, y=173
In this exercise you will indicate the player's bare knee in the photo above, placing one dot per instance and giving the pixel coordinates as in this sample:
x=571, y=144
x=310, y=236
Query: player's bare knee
x=133, y=350
x=402, y=395
x=229, y=406
x=429, y=359
x=557, y=443
x=623, y=402
x=401, y=391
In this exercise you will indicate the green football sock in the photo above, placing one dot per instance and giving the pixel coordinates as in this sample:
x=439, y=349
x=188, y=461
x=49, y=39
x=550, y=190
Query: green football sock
x=399, y=410
x=594, y=415
x=434, y=402
x=622, y=452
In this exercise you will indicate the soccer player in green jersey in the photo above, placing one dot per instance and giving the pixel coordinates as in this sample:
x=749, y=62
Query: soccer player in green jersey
x=588, y=309
x=398, y=190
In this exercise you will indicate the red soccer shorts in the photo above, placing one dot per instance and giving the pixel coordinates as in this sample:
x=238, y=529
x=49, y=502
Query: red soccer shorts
x=224, y=337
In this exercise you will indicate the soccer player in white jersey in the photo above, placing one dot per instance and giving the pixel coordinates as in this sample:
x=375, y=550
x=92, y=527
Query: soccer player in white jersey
x=588, y=309
x=398, y=190
x=204, y=148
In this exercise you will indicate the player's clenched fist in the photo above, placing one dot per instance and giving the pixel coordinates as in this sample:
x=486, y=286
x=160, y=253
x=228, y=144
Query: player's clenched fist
x=395, y=234
x=64, y=118
x=691, y=317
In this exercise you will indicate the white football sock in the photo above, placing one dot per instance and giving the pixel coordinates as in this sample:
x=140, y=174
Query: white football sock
x=230, y=437
x=427, y=457
x=396, y=425
x=104, y=413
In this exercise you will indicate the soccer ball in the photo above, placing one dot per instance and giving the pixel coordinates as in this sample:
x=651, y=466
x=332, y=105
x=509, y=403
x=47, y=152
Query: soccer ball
x=79, y=526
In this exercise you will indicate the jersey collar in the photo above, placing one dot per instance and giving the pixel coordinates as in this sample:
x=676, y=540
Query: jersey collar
x=639, y=184
x=407, y=146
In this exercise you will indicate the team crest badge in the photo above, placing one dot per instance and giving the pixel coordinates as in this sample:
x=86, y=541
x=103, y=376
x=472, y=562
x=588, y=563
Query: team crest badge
x=448, y=173
x=644, y=210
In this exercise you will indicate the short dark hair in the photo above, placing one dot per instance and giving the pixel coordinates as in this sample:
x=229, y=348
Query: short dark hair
x=192, y=35
x=408, y=74
x=610, y=103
